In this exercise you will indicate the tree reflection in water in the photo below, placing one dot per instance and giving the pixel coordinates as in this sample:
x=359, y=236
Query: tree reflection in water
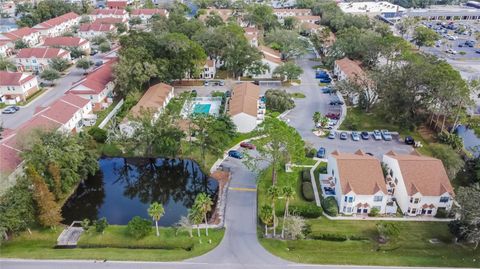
x=131, y=184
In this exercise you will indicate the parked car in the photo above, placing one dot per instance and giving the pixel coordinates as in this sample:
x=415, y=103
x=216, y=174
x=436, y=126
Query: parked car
x=333, y=116
x=332, y=135
x=328, y=90
x=98, y=63
x=10, y=110
x=477, y=51
x=205, y=83
x=228, y=94
x=221, y=83
x=326, y=80
x=194, y=92
x=235, y=154
x=343, y=136
x=336, y=103
x=321, y=152
x=355, y=136
x=386, y=135
x=247, y=145
x=409, y=140
x=377, y=135
x=451, y=51
x=365, y=135
x=93, y=52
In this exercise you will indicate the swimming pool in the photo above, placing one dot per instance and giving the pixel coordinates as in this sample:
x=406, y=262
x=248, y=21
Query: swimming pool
x=201, y=108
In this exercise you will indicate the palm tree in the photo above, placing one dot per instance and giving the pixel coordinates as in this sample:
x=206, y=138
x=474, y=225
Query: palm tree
x=273, y=192
x=204, y=203
x=266, y=216
x=156, y=211
x=288, y=194
x=196, y=217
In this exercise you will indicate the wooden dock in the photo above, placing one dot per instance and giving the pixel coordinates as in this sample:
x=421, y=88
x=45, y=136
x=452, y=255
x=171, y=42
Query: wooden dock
x=70, y=235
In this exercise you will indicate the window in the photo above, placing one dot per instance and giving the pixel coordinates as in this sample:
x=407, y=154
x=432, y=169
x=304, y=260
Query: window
x=414, y=211
x=359, y=210
x=377, y=198
x=333, y=172
x=344, y=209
x=346, y=198
x=429, y=212
x=409, y=210
x=350, y=199
x=444, y=199
x=416, y=201
x=365, y=210
x=349, y=210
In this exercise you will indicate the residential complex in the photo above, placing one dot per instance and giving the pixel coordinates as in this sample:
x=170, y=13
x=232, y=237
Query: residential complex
x=245, y=107
x=16, y=86
x=38, y=59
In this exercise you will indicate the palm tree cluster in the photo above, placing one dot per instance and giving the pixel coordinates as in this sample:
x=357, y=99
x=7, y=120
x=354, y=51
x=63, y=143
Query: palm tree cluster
x=267, y=212
x=198, y=213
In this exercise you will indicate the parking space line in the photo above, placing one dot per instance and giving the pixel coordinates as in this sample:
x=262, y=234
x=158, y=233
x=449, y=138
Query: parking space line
x=242, y=189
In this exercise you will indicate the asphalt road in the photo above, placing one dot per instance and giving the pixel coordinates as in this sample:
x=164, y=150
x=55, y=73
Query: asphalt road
x=62, y=85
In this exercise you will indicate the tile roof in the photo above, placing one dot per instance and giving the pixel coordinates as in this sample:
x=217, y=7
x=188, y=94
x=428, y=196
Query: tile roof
x=97, y=80
x=360, y=173
x=41, y=53
x=17, y=34
x=308, y=18
x=210, y=63
x=67, y=41
x=62, y=110
x=57, y=20
x=422, y=174
x=292, y=10
x=272, y=59
x=244, y=99
x=116, y=4
x=148, y=11
x=153, y=99
x=274, y=53
x=9, y=158
x=350, y=68
x=14, y=78
x=96, y=27
x=109, y=12
x=109, y=20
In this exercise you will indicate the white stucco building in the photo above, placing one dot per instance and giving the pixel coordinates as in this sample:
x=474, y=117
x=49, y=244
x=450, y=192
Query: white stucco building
x=419, y=183
x=57, y=26
x=358, y=183
x=38, y=59
x=16, y=86
x=245, y=107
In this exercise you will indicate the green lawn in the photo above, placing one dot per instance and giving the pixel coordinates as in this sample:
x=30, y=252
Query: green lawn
x=283, y=179
x=114, y=244
x=411, y=248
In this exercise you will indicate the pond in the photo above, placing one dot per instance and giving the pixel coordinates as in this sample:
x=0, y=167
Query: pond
x=125, y=187
x=471, y=142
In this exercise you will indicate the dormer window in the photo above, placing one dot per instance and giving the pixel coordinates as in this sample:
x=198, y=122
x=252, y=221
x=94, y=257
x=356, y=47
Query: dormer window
x=444, y=199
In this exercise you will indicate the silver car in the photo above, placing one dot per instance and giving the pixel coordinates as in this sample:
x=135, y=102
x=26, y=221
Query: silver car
x=386, y=135
x=377, y=135
x=355, y=136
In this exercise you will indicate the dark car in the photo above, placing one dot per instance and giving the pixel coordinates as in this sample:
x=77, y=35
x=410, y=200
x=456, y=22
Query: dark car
x=247, y=145
x=328, y=90
x=365, y=135
x=228, y=94
x=194, y=92
x=343, y=136
x=10, y=110
x=325, y=80
x=235, y=154
x=333, y=116
x=409, y=140
x=321, y=153
x=336, y=103
x=477, y=51
x=99, y=63
x=93, y=52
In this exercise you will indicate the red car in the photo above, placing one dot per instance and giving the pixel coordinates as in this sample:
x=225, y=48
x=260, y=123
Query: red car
x=333, y=116
x=247, y=145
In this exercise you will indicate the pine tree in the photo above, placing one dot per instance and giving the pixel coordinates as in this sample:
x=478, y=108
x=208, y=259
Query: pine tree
x=48, y=211
x=54, y=171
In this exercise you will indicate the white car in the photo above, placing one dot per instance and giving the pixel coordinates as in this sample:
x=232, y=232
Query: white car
x=377, y=135
x=451, y=51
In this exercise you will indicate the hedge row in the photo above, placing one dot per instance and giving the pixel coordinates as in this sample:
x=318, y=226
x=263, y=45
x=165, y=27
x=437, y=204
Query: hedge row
x=330, y=206
x=309, y=211
x=306, y=175
x=185, y=245
x=307, y=191
x=336, y=237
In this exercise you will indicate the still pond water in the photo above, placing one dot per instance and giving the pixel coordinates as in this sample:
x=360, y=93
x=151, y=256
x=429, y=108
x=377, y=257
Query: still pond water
x=125, y=187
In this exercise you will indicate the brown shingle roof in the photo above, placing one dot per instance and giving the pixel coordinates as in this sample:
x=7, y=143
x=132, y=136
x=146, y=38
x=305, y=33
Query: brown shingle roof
x=153, y=99
x=351, y=68
x=47, y=53
x=244, y=99
x=423, y=174
x=13, y=78
x=360, y=173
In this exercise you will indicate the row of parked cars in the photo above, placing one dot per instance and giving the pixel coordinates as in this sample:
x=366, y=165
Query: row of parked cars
x=237, y=154
x=323, y=76
x=356, y=136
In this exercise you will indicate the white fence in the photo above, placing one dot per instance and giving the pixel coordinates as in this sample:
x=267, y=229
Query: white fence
x=111, y=114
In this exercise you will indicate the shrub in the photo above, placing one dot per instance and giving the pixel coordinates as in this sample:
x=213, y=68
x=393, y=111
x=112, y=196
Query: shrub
x=310, y=152
x=374, y=212
x=278, y=101
x=98, y=134
x=329, y=237
x=111, y=150
x=307, y=191
x=330, y=206
x=139, y=227
x=306, y=175
x=441, y=213
x=101, y=225
x=309, y=211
